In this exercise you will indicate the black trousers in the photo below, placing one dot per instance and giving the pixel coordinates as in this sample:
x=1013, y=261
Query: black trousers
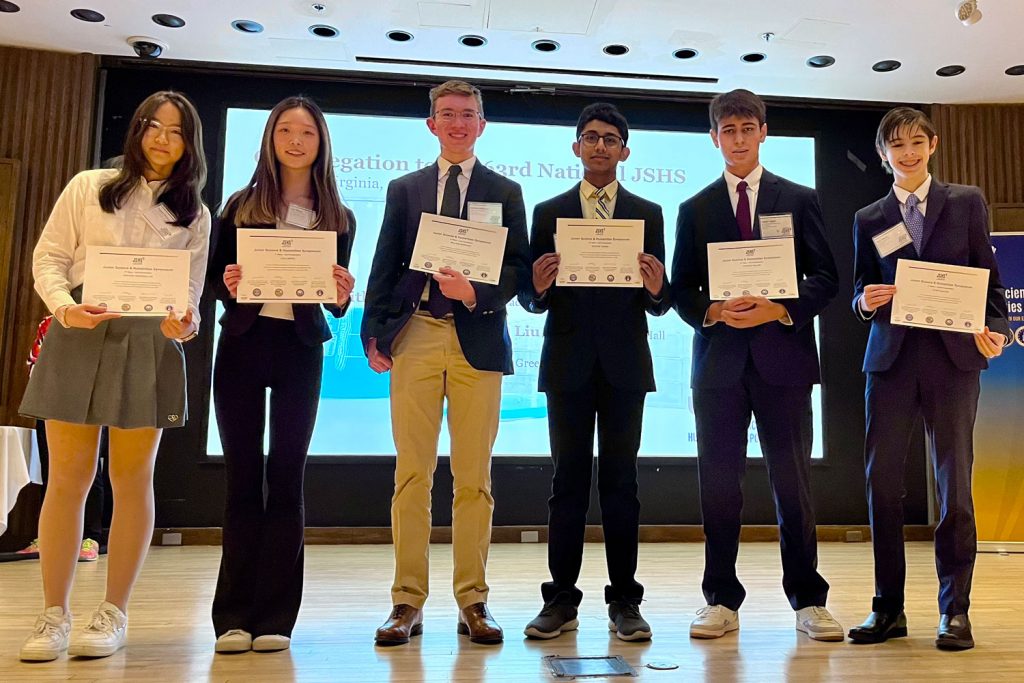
x=96, y=497
x=785, y=430
x=259, y=588
x=922, y=382
x=571, y=420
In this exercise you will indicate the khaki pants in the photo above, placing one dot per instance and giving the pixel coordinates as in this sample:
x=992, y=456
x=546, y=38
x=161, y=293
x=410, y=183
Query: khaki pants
x=429, y=367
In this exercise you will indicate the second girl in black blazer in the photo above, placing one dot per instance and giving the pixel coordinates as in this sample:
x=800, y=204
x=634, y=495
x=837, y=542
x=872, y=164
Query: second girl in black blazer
x=275, y=346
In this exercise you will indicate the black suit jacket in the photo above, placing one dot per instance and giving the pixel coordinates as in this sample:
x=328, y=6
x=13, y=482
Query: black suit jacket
x=784, y=355
x=587, y=325
x=393, y=291
x=955, y=233
x=310, y=325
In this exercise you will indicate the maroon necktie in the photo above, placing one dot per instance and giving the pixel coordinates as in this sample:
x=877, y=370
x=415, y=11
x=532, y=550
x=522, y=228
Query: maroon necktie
x=743, y=212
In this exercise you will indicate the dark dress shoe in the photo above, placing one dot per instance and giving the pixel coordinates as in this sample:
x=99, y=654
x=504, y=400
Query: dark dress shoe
x=954, y=633
x=404, y=622
x=880, y=627
x=476, y=622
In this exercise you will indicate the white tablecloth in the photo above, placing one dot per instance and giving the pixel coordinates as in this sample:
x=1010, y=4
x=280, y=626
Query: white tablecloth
x=19, y=465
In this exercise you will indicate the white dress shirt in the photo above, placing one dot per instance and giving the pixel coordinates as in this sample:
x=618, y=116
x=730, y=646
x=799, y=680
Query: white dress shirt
x=442, y=177
x=588, y=200
x=78, y=221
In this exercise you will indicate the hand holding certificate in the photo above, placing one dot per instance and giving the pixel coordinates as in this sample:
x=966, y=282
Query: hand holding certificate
x=289, y=266
x=133, y=281
x=477, y=250
x=764, y=268
x=937, y=296
x=599, y=253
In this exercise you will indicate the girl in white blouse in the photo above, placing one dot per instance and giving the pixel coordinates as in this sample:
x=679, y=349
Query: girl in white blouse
x=101, y=369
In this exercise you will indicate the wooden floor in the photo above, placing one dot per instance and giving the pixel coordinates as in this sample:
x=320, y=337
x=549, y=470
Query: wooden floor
x=346, y=597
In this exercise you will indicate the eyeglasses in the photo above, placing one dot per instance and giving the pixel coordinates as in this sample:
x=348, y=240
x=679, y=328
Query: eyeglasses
x=610, y=141
x=449, y=115
x=156, y=129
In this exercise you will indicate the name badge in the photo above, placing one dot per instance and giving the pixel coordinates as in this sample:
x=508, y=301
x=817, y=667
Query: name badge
x=300, y=217
x=893, y=239
x=776, y=225
x=159, y=218
x=484, y=212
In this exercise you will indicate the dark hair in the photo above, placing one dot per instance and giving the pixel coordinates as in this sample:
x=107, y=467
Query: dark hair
x=902, y=117
x=739, y=102
x=608, y=113
x=258, y=203
x=182, y=191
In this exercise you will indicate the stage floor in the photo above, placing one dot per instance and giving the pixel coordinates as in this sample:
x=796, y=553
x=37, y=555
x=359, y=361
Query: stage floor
x=346, y=598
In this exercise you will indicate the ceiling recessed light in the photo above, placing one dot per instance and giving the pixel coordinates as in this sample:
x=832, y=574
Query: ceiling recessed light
x=821, y=61
x=247, y=26
x=9, y=7
x=545, y=46
x=886, y=65
x=323, y=31
x=685, y=53
x=168, y=20
x=90, y=15
x=399, y=36
x=472, y=41
x=754, y=57
x=1017, y=70
x=951, y=70
x=615, y=50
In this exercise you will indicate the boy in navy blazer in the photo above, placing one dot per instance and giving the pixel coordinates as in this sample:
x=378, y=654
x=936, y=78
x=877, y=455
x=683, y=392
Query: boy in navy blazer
x=915, y=372
x=754, y=356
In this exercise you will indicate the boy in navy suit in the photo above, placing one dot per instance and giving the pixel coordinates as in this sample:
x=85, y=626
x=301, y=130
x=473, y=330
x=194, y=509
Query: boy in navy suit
x=595, y=369
x=914, y=371
x=754, y=356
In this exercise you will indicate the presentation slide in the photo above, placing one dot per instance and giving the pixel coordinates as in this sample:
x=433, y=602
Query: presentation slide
x=369, y=151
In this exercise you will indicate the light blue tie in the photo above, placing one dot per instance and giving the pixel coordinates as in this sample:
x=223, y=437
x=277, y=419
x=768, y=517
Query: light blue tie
x=914, y=220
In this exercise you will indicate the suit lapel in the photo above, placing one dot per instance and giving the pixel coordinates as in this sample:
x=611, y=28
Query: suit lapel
x=479, y=184
x=937, y=195
x=625, y=207
x=723, y=218
x=893, y=216
x=767, y=198
x=427, y=184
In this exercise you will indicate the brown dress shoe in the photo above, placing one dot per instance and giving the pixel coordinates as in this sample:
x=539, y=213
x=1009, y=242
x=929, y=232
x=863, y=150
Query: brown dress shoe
x=476, y=622
x=405, y=622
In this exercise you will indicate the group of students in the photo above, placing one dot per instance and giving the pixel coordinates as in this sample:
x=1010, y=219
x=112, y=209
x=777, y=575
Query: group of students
x=444, y=339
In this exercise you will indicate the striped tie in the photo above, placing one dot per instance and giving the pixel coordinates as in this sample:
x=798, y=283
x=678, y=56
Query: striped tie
x=601, y=209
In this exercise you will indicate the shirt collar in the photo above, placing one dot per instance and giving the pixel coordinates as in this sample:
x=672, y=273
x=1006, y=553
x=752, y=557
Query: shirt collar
x=588, y=190
x=467, y=166
x=921, y=192
x=753, y=179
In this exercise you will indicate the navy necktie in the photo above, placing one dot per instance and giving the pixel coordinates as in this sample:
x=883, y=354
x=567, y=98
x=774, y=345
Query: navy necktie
x=437, y=303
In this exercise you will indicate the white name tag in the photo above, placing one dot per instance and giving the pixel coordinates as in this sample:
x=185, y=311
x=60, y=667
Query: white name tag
x=893, y=239
x=300, y=217
x=160, y=218
x=776, y=225
x=484, y=212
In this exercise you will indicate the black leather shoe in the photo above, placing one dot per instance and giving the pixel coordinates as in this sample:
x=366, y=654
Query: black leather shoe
x=880, y=627
x=954, y=633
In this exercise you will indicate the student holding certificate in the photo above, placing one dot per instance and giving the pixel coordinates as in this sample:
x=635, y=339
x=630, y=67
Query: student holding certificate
x=100, y=369
x=754, y=356
x=914, y=372
x=276, y=346
x=595, y=368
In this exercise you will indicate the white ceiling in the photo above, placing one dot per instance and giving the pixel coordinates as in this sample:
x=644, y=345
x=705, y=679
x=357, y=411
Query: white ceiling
x=923, y=34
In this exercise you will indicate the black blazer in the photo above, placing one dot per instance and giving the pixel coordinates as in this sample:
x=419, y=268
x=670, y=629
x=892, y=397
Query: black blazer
x=587, y=325
x=310, y=325
x=955, y=233
x=784, y=355
x=393, y=291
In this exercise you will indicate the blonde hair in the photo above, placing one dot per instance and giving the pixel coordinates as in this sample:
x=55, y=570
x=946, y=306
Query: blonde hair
x=456, y=88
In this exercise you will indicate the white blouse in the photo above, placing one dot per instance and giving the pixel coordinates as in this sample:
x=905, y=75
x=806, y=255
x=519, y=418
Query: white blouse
x=77, y=221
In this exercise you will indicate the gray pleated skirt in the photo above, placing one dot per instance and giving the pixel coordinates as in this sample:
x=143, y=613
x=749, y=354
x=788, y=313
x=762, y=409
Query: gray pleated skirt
x=124, y=373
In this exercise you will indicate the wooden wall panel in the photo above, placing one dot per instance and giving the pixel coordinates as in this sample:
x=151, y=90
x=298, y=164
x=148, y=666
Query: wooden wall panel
x=47, y=106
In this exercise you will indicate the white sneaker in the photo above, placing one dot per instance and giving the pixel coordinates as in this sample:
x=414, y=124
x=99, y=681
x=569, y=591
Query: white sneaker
x=817, y=623
x=271, y=643
x=235, y=640
x=50, y=637
x=714, y=621
x=105, y=634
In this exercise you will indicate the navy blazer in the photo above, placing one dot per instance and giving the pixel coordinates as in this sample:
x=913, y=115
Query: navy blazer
x=393, y=291
x=783, y=355
x=955, y=233
x=310, y=325
x=586, y=325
